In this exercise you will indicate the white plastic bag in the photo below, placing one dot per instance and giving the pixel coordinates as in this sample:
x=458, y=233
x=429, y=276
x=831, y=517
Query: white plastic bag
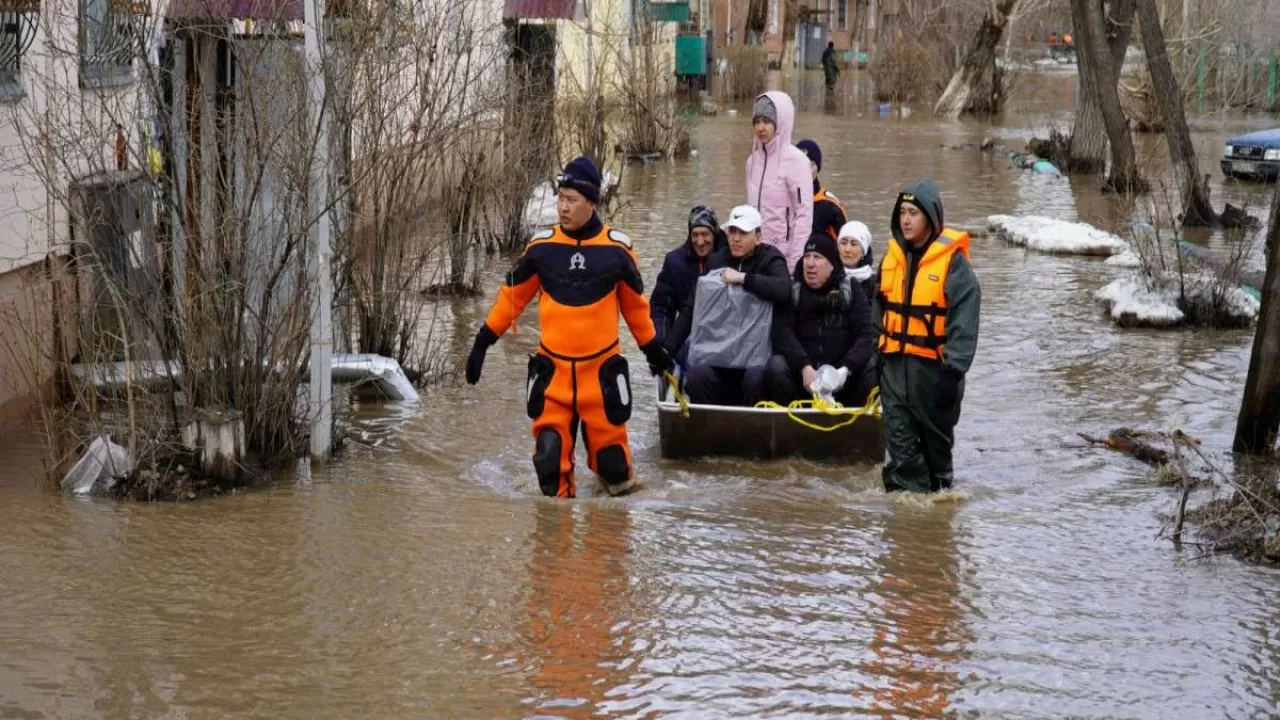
x=830, y=381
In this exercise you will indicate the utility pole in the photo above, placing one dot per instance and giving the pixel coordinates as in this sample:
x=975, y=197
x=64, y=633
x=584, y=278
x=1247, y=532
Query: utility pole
x=321, y=389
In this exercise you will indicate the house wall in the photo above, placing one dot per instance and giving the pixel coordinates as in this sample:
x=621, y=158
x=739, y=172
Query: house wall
x=51, y=135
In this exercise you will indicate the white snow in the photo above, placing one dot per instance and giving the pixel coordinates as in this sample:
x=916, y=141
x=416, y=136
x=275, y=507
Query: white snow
x=1152, y=301
x=1130, y=302
x=1060, y=237
x=1127, y=259
x=540, y=209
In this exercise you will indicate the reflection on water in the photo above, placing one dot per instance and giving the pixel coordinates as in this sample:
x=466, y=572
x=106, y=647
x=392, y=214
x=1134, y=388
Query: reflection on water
x=919, y=629
x=421, y=576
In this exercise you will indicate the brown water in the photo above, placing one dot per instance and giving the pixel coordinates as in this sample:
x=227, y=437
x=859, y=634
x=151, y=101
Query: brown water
x=421, y=576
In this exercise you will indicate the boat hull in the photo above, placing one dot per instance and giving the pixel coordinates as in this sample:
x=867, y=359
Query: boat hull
x=714, y=430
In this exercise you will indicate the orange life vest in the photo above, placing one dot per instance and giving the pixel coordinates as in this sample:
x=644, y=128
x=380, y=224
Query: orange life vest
x=823, y=195
x=914, y=319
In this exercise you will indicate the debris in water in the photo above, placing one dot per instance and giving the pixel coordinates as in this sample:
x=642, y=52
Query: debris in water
x=98, y=469
x=1138, y=443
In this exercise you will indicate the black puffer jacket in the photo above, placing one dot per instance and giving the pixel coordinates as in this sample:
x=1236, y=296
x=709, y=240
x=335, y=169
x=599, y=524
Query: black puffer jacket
x=826, y=326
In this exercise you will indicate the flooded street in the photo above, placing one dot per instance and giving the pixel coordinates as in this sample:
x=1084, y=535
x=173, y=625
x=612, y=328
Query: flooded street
x=422, y=576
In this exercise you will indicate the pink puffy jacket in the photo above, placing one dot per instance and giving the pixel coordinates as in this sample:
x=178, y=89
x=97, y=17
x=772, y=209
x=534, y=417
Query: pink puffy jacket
x=780, y=185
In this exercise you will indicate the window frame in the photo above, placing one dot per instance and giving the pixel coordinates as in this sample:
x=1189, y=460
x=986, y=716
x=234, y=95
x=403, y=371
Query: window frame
x=121, y=17
x=24, y=17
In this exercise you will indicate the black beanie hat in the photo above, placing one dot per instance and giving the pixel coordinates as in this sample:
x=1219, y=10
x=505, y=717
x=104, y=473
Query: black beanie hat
x=582, y=175
x=822, y=244
x=811, y=149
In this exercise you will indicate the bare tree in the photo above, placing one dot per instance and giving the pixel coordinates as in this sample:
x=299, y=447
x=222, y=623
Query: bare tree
x=1099, y=75
x=977, y=86
x=1259, y=419
x=1088, y=142
x=1193, y=189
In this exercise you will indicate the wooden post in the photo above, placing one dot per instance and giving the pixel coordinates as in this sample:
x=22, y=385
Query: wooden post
x=216, y=436
x=1260, y=411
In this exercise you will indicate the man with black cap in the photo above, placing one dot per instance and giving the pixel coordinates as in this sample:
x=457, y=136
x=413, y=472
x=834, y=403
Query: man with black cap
x=828, y=214
x=683, y=266
x=587, y=275
x=926, y=315
x=828, y=323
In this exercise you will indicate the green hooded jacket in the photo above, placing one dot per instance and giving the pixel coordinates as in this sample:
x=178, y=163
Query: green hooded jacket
x=964, y=297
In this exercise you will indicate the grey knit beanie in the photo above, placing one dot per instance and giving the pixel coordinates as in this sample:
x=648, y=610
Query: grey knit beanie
x=764, y=108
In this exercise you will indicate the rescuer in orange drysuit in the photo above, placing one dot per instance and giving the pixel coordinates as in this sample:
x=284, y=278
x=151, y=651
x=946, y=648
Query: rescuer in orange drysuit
x=587, y=273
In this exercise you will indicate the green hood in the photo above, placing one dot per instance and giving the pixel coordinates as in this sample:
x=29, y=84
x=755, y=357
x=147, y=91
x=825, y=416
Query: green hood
x=929, y=198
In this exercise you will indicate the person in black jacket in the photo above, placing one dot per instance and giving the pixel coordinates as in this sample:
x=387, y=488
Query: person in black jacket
x=682, y=267
x=761, y=269
x=827, y=323
x=828, y=213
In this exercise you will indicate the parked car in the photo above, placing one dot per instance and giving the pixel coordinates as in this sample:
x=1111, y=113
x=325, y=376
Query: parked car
x=1254, y=156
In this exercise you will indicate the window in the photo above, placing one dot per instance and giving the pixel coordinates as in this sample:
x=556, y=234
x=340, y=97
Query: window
x=110, y=38
x=842, y=14
x=18, y=19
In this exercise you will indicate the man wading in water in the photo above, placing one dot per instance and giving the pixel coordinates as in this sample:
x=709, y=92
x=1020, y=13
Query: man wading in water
x=578, y=378
x=926, y=315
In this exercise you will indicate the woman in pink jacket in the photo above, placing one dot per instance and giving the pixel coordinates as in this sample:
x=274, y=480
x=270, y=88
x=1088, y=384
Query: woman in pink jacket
x=779, y=184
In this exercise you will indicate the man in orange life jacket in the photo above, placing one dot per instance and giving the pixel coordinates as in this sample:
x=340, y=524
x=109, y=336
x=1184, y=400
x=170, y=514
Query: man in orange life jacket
x=587, y=273
x=828, y=214
x=926, y=314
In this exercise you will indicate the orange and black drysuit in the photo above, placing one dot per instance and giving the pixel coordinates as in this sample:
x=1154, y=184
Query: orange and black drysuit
x=578, y=378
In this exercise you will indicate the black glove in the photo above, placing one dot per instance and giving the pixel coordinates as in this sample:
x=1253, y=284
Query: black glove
x=659, y=359
x=948, y=388
x=475, y=361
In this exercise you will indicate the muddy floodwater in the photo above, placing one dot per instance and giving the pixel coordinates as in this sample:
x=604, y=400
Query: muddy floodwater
x=422, y=577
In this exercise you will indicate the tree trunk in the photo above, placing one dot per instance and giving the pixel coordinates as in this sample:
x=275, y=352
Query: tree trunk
x=1100, y=77
x=1259, y=418
x=1088, y=152
x=976, y=86
x=1194, y=189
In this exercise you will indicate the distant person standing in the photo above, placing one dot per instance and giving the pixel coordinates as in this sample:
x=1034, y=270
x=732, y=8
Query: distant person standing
x=830, y=69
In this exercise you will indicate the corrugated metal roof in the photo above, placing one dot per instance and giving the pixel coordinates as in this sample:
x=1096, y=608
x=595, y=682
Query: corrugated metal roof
x=538, y=9
x=277, y=10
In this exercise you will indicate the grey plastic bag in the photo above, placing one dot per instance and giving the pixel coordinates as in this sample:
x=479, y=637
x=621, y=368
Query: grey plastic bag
x=730, y=325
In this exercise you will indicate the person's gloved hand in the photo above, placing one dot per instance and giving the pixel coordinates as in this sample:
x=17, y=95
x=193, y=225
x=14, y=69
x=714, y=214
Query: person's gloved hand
x=659, y=359
x=948, y=388
x=475, y=361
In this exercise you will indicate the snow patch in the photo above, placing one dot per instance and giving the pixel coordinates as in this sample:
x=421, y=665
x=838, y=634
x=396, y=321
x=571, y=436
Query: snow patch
x=540, y=209
x=1131, y=303
x=1137, y=300
x=1059, y=237
x=1127, y=259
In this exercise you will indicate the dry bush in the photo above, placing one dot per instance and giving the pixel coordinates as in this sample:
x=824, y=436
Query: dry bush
x=646, y=91
x=746, y=69
x=1207, y=293
x=910, y=70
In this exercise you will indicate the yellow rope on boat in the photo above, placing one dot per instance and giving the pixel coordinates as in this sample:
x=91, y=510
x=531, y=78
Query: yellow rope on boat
x=675, y=390
x=872, y=408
